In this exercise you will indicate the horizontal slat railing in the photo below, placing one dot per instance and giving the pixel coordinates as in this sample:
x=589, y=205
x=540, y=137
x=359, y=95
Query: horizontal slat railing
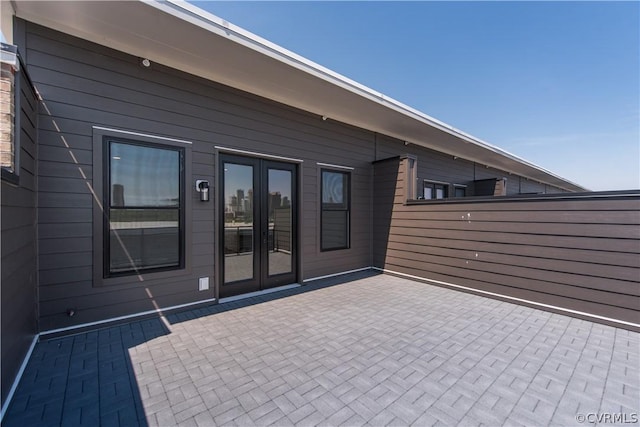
x=579, y=253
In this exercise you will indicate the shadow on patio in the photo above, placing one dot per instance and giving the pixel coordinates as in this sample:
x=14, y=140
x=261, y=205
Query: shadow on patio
x=376, y=350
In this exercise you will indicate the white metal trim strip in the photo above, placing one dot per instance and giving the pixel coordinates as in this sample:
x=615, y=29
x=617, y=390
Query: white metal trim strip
x=128, y=316
x=256, y=154
x=336, y=274
x=258, y=293
x=146, y=135
x=14, y=386
x=538, y=304
x=329, y=165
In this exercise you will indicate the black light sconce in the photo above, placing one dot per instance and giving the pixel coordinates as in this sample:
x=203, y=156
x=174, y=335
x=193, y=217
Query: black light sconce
x=202, y=187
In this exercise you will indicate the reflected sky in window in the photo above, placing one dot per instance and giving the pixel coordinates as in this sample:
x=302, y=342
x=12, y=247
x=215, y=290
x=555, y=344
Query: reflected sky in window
x=144, y=176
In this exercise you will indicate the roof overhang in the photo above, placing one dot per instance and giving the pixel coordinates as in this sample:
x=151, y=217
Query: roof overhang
x=182, y=36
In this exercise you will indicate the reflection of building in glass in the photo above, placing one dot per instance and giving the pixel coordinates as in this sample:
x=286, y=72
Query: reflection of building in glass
x=275, y=202
x=240, y=200
x=117, y=197
x=239, y=207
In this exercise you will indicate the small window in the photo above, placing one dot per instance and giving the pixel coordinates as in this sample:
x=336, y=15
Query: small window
x=335, y=212
x=144, y=207
x=435, y=190
x=459, y=190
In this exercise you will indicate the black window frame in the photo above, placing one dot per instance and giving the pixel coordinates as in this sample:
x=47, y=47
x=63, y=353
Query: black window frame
x=345, y=206
x=434, y=185
x=106, y=202
x=459, y=187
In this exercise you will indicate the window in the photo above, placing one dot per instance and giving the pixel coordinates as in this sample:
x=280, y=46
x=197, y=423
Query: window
x=9, y=106
x=144, y=207
x=459, y=190
x=335, y=219
x=435, y=190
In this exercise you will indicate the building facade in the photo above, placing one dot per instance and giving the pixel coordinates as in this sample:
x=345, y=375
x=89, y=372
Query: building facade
x=136, y=184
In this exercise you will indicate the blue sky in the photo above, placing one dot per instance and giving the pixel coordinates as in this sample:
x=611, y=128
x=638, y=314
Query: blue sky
x=557, y=83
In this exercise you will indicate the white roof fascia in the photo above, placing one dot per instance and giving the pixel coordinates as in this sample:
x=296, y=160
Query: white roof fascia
x=140, y=42
x=222, y=27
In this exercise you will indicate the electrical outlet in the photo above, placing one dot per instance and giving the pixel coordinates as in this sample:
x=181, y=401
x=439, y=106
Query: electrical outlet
x=203, y=284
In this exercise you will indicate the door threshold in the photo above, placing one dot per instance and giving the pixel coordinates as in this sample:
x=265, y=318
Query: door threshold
x=258, y=293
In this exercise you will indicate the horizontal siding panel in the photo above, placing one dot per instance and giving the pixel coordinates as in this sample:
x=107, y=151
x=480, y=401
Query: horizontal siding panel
x=628, y=217
x=66, y=142
x=61, y=154
x=103, y=296
x=65, y=260
x=14, y=217
x=614, y=231
x=518, y=284
x=65, y=245
x=65, y=185
x=612, y=245
x=590, y=307
x=593, y=256
x=224, y=113
x=64, y=200
x=59, y=231
x=17, y=197
x=15, y=238
x=62, y=275
x=64, y=215
x=20, y=258
x=580, y=253
x=173, y=85
x=562, y=203
x=528, y=268
x=109, y=311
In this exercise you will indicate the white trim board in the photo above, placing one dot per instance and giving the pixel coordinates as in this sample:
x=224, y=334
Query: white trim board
x=16, y=381
x=258, y=293
x=144, y=135
x=128, y=316
x=256, y=154
x=336, y=274
x=329, y=165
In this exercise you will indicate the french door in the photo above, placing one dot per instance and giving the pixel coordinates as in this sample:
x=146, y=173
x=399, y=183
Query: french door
x=258, y=223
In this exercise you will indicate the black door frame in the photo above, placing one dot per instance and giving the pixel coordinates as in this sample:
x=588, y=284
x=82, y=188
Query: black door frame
x=261, y=279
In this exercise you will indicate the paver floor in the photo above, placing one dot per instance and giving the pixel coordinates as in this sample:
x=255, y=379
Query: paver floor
x=376, y=351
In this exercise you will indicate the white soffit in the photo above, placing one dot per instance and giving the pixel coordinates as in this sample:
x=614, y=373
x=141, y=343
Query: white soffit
x=182, y=36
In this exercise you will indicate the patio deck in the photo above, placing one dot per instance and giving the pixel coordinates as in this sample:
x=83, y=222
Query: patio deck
x=374, y=350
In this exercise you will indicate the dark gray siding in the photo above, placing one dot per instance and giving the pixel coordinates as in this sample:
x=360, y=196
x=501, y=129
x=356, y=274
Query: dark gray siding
x=580, y=253
x=85, y=85
x=437, y=166
x=19, y=295
x=530, y=187
x=388, y=183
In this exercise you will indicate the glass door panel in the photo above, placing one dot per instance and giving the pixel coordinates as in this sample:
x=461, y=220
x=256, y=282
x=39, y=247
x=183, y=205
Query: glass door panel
x=257, y=226
x=280, y=241
x=239, y=230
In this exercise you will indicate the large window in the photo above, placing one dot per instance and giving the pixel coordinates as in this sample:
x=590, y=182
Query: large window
x=144, y=207
x=335, y=210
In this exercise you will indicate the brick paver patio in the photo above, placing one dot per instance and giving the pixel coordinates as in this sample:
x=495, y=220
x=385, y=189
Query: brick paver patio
x=378, y=350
